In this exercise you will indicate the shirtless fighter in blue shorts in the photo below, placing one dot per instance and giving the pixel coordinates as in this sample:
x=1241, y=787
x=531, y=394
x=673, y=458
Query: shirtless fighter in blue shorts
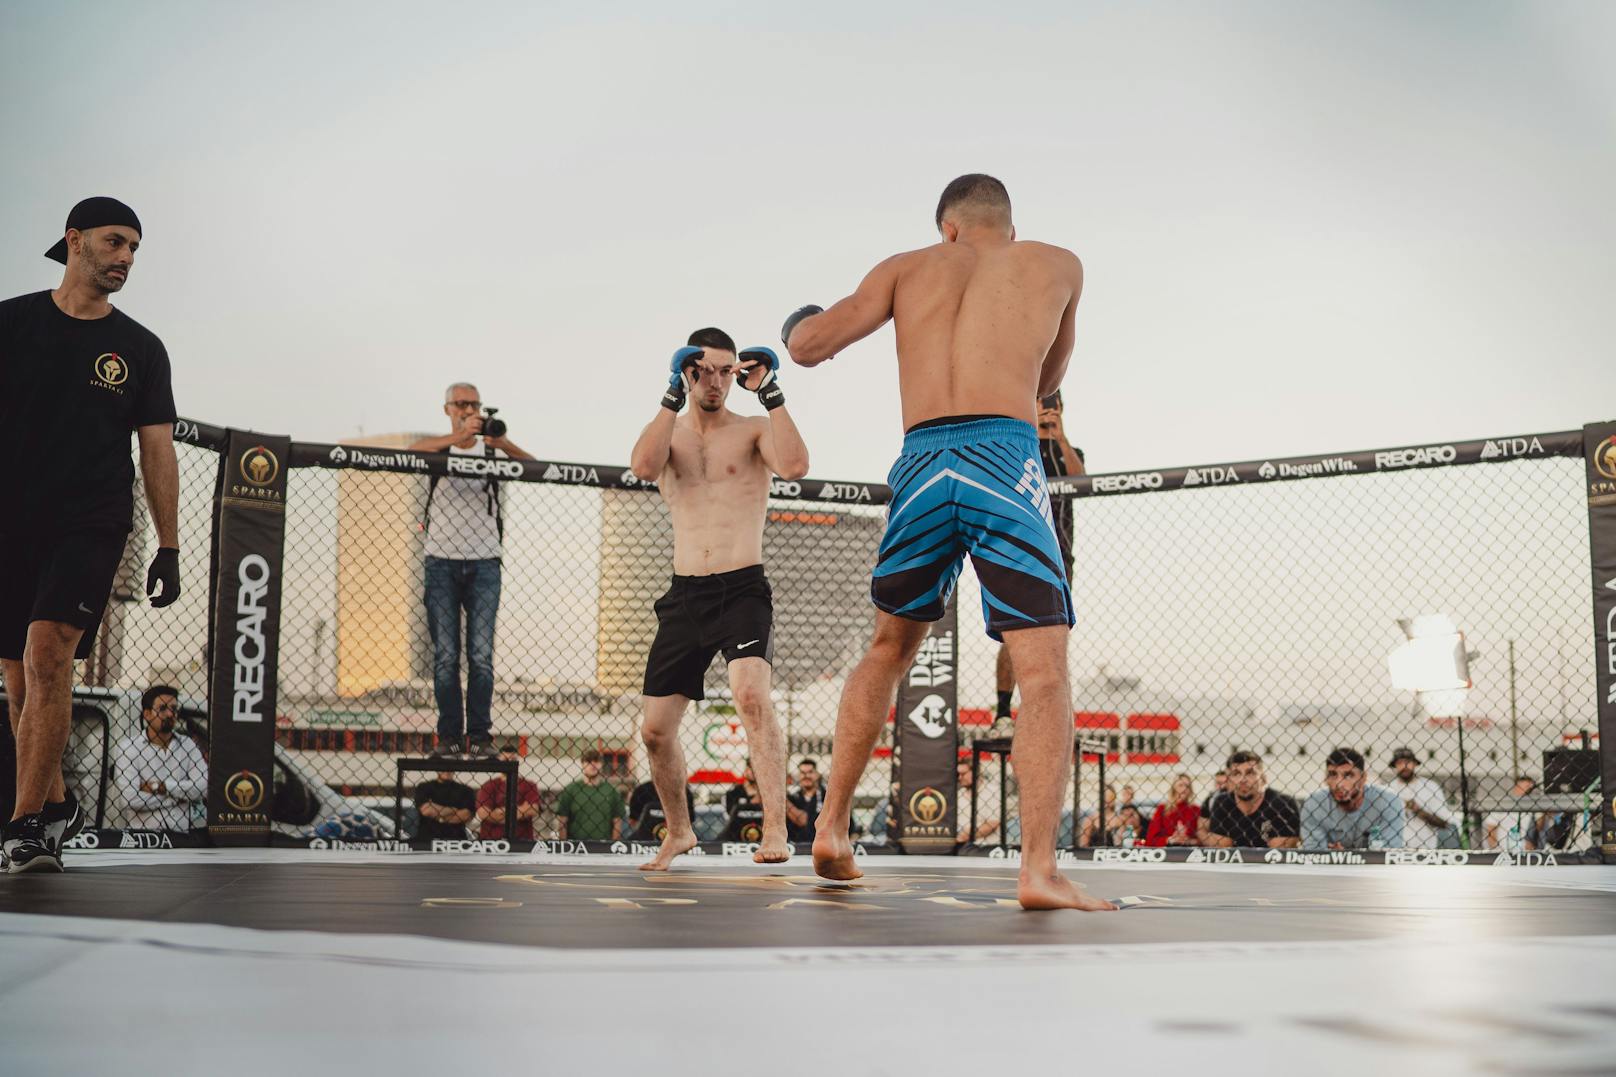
x=985, y=328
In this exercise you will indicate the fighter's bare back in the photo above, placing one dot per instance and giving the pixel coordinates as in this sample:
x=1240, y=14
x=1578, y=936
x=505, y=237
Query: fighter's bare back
x=983, y=328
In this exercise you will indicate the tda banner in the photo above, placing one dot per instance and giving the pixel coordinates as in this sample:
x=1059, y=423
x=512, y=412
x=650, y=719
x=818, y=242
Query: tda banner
x=1599, y=445
x=244, y=617
x=925, y=741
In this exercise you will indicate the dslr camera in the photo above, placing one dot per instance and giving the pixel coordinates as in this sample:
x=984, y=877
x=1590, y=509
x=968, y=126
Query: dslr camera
x=492, y=427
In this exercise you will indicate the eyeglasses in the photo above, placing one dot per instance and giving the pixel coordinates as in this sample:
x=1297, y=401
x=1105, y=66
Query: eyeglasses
x=472, y=404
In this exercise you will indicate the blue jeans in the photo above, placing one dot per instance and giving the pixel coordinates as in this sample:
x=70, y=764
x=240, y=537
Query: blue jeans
x=452, y=586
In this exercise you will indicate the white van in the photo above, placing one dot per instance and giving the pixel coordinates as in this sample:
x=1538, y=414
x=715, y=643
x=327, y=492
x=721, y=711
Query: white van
x=102, y=717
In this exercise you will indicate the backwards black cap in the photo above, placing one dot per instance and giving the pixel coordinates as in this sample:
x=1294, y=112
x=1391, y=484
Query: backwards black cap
x=97, y=212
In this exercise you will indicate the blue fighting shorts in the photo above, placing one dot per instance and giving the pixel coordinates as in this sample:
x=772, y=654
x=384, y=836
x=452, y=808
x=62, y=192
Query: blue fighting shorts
x=972, y=485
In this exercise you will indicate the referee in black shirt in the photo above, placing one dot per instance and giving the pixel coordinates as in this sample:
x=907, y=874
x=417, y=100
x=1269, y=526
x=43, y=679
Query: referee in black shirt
x=76, y=378
x=1059, y=458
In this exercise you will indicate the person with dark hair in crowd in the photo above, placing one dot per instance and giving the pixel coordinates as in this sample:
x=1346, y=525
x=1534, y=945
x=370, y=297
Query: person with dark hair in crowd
x=1059, y=458
x=445, y=806
x=646, y=819
x=591, y=808
x=985, y=327
x=77, y=378
x=1425, y=803
x=804, y=803
x=744, y=792
x=160, y=771
x=1250, y=815
x=1088, y=830
x=1177, y=820
x=464, y=545
x=491, y=821
x=1348, y=813
x=1124, y=831
x=713, y=469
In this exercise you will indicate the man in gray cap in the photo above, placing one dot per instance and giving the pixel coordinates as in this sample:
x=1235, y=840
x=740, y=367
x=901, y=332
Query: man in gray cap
x=77, y=377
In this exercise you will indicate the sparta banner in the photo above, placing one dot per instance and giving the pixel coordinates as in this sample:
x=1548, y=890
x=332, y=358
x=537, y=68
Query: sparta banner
x=926, y=741
x=244, y=615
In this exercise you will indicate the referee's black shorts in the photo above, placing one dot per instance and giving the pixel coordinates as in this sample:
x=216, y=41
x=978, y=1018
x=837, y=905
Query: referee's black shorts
x=65, y=578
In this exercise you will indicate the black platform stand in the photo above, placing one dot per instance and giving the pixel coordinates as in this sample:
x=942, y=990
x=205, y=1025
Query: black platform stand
x=1000, y=746
x=433, y=764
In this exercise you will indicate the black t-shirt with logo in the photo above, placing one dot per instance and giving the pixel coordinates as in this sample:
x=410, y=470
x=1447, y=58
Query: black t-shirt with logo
x=72, y=390
x=1278, y=816
x=448, y=794
x=645, y=797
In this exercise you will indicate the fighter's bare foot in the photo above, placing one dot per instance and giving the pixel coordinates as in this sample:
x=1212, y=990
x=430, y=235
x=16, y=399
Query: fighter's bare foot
x=833, y=857
x=672, y=846
x=774, y=849
x=1052, y=890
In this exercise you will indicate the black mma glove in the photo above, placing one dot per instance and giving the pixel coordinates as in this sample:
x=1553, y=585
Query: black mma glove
x=165, y=570
x=763, y=365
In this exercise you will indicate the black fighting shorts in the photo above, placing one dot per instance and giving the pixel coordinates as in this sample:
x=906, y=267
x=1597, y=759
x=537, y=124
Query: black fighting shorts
x=732, y=612
x=65, y=578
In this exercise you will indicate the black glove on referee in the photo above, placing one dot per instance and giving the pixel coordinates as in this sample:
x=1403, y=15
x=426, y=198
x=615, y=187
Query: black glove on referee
x=165, y=570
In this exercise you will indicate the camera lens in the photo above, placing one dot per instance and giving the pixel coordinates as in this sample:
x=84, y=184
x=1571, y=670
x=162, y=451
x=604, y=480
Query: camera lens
x=494, y=428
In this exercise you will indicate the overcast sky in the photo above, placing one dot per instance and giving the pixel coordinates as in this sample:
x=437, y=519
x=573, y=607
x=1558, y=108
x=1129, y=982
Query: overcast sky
x=1306, y=226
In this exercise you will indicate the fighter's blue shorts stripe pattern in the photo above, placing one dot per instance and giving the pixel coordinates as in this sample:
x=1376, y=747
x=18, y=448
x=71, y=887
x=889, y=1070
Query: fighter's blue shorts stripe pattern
x=972, y=487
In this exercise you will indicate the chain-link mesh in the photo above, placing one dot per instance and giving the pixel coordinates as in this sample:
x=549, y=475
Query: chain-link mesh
x=109, y=756
x=581, y=570
x=1231, y=617
x=1261, y=618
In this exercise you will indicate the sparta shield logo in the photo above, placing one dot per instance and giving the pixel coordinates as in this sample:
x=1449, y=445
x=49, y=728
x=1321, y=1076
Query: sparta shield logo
x=928, y=806
x=1605, y=458
x=259, y=466
x=111, y=369
x=244, y=791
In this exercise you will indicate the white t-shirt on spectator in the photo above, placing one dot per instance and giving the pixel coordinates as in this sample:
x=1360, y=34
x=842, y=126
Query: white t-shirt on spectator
x=461, y=523
x=1417, y=833
x=180, y=768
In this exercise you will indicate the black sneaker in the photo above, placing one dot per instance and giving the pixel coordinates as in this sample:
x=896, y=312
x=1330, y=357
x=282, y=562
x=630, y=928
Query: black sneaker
x=482, y=748
x=446, y=748
x=27, y=847
x=63, y=821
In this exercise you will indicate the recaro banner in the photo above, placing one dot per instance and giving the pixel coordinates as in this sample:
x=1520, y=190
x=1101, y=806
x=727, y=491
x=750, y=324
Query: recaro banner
x=244, y=617
x=925, y=741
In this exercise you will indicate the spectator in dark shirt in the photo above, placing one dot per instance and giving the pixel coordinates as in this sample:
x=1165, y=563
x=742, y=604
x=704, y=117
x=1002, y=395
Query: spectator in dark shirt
x=491, y=806
x=747, y=791
x=646, y=819
x=1251, y=815
x=445, y=807
x=804, y=802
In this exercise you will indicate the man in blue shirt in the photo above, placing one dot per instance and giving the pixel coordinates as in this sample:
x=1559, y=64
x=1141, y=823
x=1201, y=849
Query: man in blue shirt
x=1349, y=814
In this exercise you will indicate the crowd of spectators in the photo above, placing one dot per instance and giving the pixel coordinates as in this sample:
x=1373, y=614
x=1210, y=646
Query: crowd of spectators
x=1407, y=810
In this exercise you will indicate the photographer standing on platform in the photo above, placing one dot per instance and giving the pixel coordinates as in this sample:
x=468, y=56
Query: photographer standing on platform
x=77, y=377
x=1059, y=459
x=464, y=531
